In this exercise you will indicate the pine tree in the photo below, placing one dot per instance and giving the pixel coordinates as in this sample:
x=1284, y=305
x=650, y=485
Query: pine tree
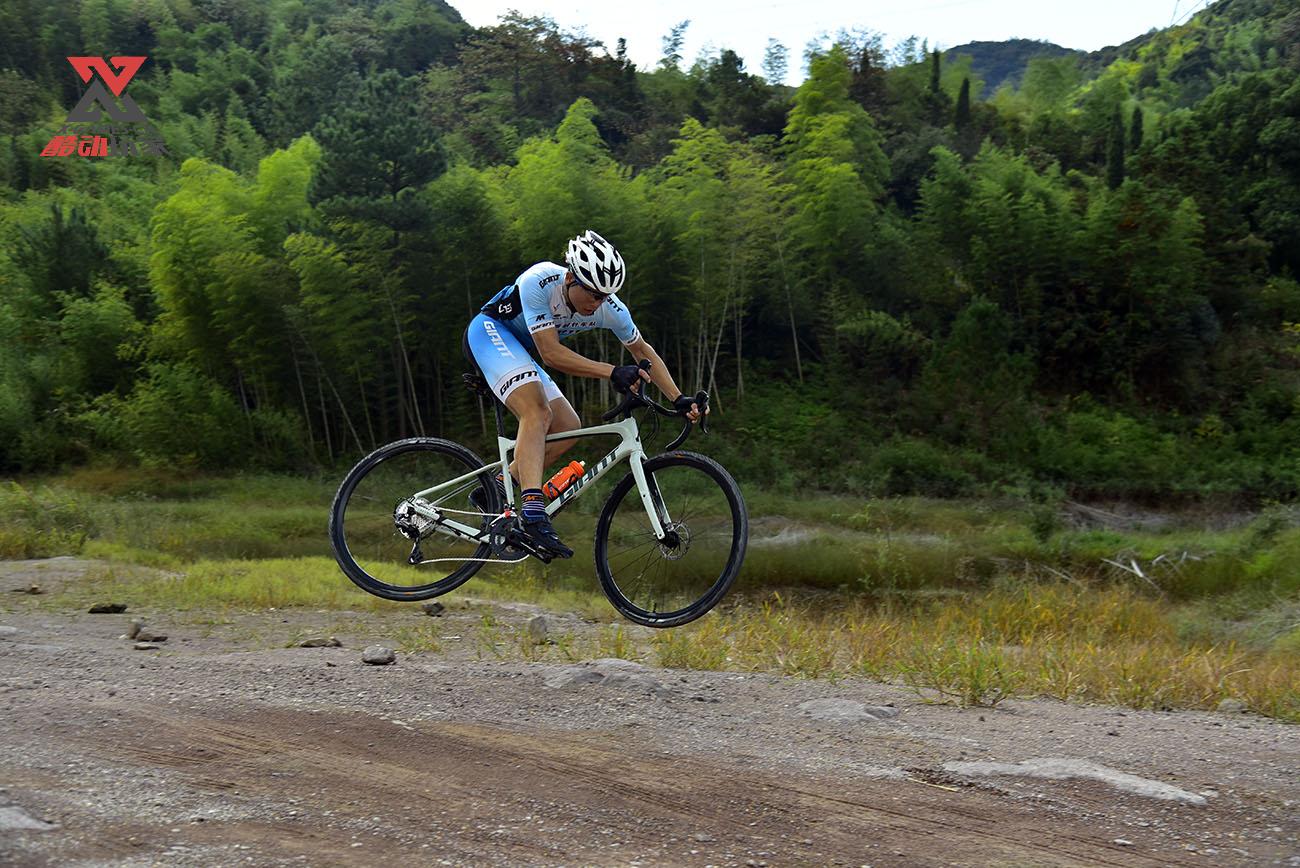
x=868, y=87
x=937, y=102
x=1135, y=131
x=961, y=120
x=377, y=152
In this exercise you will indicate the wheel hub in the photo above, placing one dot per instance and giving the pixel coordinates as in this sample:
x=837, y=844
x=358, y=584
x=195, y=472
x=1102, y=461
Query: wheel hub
x=409, y=522
x=676, y=542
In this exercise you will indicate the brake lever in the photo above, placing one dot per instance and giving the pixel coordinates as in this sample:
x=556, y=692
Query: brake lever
x=633, y=399
x=702, y=400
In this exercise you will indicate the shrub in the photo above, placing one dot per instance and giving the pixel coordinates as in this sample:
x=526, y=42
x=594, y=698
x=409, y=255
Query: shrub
x=175, y=416
x=40, y=524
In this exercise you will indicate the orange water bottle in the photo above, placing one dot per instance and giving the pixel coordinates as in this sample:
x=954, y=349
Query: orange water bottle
x=555, y=486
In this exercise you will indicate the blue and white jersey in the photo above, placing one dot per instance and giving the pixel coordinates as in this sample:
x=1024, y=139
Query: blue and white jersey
x=535, y=301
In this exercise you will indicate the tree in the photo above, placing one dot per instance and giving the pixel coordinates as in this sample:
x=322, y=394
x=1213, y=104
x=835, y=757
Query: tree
x=839, y=172
x=1136, y=131
x=1142, y=253
x=201, y=222
x=975, y=383
x=61, y=256
x=218, y=270
x=310, y=82
x=672, y=45
x=562, y=185
x=1115, y=152
x=961, y=118
x=775, y=62
x=869, y=88
x=376, y=153
x=1004, y=231
x=733, y=98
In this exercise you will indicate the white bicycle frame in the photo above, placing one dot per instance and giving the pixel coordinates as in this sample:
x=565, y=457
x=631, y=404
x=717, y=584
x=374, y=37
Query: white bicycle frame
x=629, y=448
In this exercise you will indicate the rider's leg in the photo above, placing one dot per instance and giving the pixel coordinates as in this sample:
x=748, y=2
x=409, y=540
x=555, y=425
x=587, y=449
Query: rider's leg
x=563, y=418
x=528, y=403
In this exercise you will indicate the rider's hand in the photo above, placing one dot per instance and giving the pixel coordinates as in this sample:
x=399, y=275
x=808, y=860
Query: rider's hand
x=685, y=405
x=624, y=377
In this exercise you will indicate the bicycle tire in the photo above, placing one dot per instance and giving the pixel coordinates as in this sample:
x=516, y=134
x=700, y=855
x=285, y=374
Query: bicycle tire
x=657, y=469
x=343, y=554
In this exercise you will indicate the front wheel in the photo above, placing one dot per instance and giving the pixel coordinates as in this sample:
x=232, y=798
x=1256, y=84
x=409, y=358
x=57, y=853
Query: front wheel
x=667, y=583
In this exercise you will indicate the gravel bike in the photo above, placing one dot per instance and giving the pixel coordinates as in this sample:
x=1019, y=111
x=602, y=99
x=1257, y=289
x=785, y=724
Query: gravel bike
x=669, y=542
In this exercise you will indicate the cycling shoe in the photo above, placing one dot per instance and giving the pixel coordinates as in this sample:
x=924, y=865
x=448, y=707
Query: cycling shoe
x=543, y=535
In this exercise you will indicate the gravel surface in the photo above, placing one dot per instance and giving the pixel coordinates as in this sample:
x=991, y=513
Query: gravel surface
x=223, y=745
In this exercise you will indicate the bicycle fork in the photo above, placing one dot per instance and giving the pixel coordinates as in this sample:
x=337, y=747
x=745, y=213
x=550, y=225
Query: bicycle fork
x=653, y=500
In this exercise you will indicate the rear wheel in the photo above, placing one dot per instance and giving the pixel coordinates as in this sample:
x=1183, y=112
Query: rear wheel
x=666, y=583
x=373, y=527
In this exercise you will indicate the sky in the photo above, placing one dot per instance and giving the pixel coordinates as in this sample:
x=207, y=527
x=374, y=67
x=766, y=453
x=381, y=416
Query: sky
x=745, y=27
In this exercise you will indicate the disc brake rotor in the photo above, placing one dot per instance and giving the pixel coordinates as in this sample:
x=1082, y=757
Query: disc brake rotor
x=677, y=533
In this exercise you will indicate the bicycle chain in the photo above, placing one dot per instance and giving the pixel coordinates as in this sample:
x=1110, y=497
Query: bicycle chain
x=496, y=540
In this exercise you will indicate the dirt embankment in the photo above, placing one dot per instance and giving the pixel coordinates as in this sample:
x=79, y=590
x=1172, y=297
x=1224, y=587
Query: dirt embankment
x=223, y=747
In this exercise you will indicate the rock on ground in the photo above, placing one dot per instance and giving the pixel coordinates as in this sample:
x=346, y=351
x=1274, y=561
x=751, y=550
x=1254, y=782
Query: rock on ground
x=378, y=655
x=846, y=710
x=608, y=672
x=1059, y=769
x=320, y=642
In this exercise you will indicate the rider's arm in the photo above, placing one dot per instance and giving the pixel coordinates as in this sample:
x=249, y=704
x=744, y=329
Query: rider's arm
x=556, y=355
x=658, y=371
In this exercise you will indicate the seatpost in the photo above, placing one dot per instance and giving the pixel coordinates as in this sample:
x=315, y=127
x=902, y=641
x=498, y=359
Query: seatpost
x=501, y=422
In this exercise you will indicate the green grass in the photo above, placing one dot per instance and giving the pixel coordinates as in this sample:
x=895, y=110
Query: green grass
x=967, y=601
x=1104, y=644
x=278, y=583
x=820, y=542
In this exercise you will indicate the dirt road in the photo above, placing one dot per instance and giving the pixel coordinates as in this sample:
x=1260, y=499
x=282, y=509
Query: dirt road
x=224, y=747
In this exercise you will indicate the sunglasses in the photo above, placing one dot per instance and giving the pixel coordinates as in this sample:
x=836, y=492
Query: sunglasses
x=596, y=296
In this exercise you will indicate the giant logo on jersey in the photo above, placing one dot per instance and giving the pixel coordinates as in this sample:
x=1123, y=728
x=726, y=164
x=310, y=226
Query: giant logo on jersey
x=495, y=337
x=522, y=375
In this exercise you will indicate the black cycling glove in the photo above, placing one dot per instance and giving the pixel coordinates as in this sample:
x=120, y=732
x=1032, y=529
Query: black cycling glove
x=624, y=377
x=682, y=404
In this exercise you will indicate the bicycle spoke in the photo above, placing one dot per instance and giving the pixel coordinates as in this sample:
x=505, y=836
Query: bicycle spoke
x=667, y=577
x=380, y=511
x=633, y=563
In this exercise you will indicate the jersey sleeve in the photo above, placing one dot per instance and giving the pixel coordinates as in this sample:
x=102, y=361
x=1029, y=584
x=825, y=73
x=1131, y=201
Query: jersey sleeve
x=619, y=320
x=535, y=296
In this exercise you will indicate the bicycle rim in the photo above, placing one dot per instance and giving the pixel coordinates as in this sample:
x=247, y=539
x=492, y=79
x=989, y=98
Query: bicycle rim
x=374, y=502
x=665, y=584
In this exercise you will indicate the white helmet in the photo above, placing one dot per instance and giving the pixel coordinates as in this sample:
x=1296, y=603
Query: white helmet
x=596, y=263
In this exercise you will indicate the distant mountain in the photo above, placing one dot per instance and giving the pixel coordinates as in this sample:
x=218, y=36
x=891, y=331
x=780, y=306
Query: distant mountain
x=1182, y=64
x=1177, y=65
x=996, y=62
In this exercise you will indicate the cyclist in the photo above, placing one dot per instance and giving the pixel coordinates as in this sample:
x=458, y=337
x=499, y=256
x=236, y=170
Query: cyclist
x=545, y=305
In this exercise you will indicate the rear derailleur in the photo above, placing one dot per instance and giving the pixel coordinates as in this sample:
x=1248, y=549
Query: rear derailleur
x=411, y=524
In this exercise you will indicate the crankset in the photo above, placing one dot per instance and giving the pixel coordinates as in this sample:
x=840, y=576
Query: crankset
x=508, y=540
